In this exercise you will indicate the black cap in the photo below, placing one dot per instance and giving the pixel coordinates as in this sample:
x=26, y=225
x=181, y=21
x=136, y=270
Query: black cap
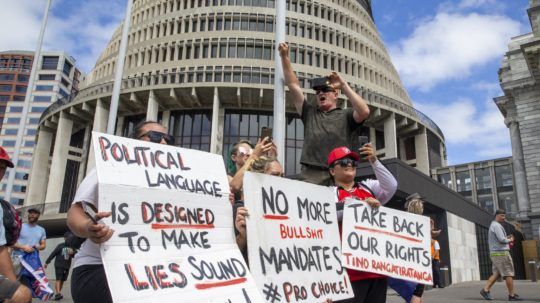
x=34, y=209
x=318, y=83
x=500, y=212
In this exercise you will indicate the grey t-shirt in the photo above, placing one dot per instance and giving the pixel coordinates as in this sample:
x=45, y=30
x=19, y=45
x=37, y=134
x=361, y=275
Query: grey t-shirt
x=497, y=238
x=325, y=131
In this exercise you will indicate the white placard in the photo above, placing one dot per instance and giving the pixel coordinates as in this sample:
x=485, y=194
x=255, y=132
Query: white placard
x=386, y=241
x=173, y=232
x=293, y=240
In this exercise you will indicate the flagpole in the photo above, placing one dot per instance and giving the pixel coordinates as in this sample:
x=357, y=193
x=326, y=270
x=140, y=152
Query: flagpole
x=279, y=86
x=113, y=110
x=26, y=105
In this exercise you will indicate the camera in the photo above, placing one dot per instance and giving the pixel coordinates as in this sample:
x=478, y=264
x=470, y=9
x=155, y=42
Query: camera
x=320, y=82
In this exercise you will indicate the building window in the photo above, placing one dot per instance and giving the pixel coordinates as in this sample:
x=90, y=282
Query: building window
x=67, y=68
x=191, y=129
x=15, y=109
x=483, y=189
x=42, y=98
x=505, y=189
x=4, y=97
x=49, y=63
x=6, y=87
x=7, y=77
x=21, y=89
x=445, y=179
x=47, y=77
x=38, y=109
x=464, y=184
x=23, y=78
x=8, y=143
x=18, y=98
x=11, y=131
x=13, y=120
x=45, y=88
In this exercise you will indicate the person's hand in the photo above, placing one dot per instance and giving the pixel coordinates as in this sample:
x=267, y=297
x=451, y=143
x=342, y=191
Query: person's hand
x=27, y=248
x=273, y=150
x=511, y=238
x=373, y=202
x=45, y=266
x=368, y=152
x=328, y=301
x=336, y=80
x=99, y=233
x=240, y=222
x=283, y=49
x=262, y=148
x=231, y=197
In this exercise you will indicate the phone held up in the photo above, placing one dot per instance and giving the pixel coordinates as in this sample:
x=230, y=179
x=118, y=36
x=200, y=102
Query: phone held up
x=89, y=212
x=363, y=140
x=266, y=132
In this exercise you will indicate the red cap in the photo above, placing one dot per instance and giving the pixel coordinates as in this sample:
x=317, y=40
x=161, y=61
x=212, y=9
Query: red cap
x=340, y=153
x=5, y=157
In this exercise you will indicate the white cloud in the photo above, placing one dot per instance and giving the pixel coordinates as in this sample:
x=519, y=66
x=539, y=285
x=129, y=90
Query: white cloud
x=450, y=46
x=475, y=129
x=81, y=29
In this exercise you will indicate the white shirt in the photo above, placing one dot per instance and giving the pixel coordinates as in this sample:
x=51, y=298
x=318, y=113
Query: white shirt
x=385, y=186
x=88, y=192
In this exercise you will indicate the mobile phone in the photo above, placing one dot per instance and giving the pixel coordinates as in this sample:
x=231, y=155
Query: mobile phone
x=363, y=140
x=89, y=212
x=266, y=132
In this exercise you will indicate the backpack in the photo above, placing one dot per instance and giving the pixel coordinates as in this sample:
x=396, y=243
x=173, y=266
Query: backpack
x=12, y=222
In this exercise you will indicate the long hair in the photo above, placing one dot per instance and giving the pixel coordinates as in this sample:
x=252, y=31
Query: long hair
x=415, y=205
x=231, y=165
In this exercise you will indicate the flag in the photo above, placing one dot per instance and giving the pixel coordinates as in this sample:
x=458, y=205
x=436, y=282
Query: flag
x=34, y=276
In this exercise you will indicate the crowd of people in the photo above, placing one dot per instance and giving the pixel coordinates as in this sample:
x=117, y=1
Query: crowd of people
x=330, y=157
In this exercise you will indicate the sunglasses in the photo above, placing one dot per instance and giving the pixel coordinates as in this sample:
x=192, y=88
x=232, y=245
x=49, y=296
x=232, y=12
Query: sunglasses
x=324, y=89
x=345, y=162
x=156, y=137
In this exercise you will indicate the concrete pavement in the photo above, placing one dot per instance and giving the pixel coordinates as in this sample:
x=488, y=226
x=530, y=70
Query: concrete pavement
x=464, y=292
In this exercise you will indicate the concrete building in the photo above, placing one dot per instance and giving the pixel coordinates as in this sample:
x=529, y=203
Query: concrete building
x=15, y=69
x=489, y=184
x=519, y=78
x=204, y=69
x=56, y=78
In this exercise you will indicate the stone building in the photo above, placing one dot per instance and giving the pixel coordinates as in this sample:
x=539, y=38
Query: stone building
x=519, y=78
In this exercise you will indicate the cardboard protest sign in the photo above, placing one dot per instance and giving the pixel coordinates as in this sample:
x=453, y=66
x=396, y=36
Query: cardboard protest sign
x=293, y=240
x=386, y=241
x=173, y=232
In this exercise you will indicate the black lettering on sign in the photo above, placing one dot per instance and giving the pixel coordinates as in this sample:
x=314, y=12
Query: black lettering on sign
x=142, y=242
x=363, y=242
x=119, y=213
x=313, y=210
x=313, y=258
x=412, y=228
x=231, y=268
x=277, y=202
x=180, y=238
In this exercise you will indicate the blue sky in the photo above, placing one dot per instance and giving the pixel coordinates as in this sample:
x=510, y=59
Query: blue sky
x=446, y=52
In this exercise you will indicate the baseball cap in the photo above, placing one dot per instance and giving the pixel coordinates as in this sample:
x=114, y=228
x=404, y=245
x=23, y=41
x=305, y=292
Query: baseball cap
x=34, y=209
x=5, y=157
x=320, y=83
x=340, y=153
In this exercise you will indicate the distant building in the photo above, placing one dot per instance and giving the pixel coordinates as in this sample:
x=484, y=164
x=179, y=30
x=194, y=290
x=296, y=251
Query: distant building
x=56, y=78
x=519, y=78
x=489, y=184
x=15, y=69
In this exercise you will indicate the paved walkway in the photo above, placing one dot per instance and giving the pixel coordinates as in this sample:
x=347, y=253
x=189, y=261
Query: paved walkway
x=465, y=292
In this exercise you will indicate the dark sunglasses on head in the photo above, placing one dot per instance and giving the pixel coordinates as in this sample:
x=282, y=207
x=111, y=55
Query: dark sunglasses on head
x=324, y=89
x=156, y=137
x=345, y=162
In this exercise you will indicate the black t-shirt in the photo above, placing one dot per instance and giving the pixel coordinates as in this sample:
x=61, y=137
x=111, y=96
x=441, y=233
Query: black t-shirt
x=325, y=131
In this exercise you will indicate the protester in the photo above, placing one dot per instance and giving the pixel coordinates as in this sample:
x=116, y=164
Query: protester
x=32, y=237
x=326, y=126
x=240, y=152
x=89, y=282
x=435, y=256
x=499, y=252
x=342, y=162
x=414, y=203
x=62, y=255
x=10, y=289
